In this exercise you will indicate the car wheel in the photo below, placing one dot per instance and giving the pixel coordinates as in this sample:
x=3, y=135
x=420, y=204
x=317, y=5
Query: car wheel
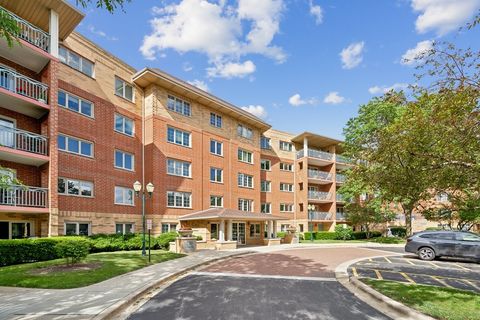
x=426, y=253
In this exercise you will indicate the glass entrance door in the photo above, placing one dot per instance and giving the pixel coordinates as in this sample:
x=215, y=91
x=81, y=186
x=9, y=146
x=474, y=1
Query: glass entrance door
x=238, y=232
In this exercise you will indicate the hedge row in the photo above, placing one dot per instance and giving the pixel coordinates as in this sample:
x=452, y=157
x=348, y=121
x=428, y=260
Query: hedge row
x=325, y=235
x=359, y=235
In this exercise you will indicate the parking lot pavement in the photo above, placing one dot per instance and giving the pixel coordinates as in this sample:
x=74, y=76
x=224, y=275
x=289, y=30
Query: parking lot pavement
x=409, y=269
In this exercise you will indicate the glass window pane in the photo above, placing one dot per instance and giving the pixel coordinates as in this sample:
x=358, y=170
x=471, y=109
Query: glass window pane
x=87, y=67
x=73, y=103
x=61, y=143
x=73, y=187
x=129, y=196
x=83, y=229
x=129, y=127
x=86, y=148
x=86, y=108
x=119, y=228
x=86, y=189
x=128, y=161
x=62, y=98
x=118, y=159
x=70, y=229
x=61, y=185
x=118, y=123
x=119, y=87
x=128, y=92
x=73, y=60
x=128, y=228
x=63, y=54
x=171, y=135
x=73, y=145
x=118, y=195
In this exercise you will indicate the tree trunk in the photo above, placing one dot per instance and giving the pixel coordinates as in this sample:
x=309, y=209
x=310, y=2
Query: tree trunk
x=408, y=221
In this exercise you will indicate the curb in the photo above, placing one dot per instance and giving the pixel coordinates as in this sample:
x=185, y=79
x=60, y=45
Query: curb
x=116, y=309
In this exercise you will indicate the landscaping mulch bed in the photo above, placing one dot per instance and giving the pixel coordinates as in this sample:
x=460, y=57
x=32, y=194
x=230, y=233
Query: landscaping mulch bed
x=66, y=268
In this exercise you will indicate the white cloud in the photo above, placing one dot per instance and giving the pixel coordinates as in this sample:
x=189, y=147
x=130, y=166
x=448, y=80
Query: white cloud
x=257, y=111
x=333, y=98
x=352, y=55
x=199, y=84
x=231, y=70
x=317, y=12
x=101, y=33
x=384, y=89
x=409, y=57
x=296, y=100
x=443, y=16
x=187, y=67
x=222, y=32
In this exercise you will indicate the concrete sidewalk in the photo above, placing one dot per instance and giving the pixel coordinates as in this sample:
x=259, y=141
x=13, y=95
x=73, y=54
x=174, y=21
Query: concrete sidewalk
x=98, y=300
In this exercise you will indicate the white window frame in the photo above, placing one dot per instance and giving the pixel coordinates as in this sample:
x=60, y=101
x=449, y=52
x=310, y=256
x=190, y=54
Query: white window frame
x=183, y=195
x=215, y=199
x=185, y=105
x=10, y=222
x=77, y=227
x=80, y=182
x=285, y=146
x=125, y=84
x=123, y=160
x=286, y=207
x=216, y=118
x=244, y=132
x=245, y=204
x=286, y=187
x=80, y=100
x=266, y=183
x=284, y=164
x=66, y=60
x=169, y=226
x=266, y=205
x=245, y=180
x=67, y=137
x=182, y=133
x=268, y=145
x=216, y=143
x=124, y=191
x=216, y=174
x=124, y=120
x=242, y=154
x=264, y=163
x=178, y=164
x=124, y=225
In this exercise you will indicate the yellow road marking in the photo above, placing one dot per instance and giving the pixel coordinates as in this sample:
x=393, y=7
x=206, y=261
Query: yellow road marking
x=441, y=281
x=354, y=270
x=388, y=260
x=433, y=264
x=370, y=259
x=379, y=275
x=407, y=277
x=461, y=267
x=471, y=284
x=419, y=274
x=413, y=264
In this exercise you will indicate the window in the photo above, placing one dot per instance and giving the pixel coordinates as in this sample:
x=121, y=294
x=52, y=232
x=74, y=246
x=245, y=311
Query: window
x=75, y=61
x=179, y=199
x=124, y=125
x=286, y=207
x=286, y=166
x=255, y=230
x=124, y=196
x=283, y=227
x=77, y=228
x=286, y=146
x=266, y=208
x=168, y=227
x=245, y=180
x=123, y=89
x=245, y=132
x=265, y=143
x=265, y=186
x=72, y=187
x=179, y=106
x=288, y=187
x=301, y=227
x=216, y=175
x=468, y=237
x=178, y=168
x=124, y=160
x=215, y=120
x=74, y=145
x=216, y=147
x=124, y=228
x=178, y=137
x=245, y=205
x=245, y=156
x=216, y=201
x=75, y=103
x=265, y=165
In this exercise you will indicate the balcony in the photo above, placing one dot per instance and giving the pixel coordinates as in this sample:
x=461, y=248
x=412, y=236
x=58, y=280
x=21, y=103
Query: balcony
x=319, y=196
x=343, y=162
x=23, y=199
x=340, y=178
x=320, y=216
x=22, y=94
x=23, y=147
x=317, y=157
x=320, y=177
x=340, y=198
x=33, y=50
x=340, y=216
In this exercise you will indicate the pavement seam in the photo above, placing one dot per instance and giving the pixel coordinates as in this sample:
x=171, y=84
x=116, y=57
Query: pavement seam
x=266, y=276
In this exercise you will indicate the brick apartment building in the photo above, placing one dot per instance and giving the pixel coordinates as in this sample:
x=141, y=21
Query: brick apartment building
x=78, y=127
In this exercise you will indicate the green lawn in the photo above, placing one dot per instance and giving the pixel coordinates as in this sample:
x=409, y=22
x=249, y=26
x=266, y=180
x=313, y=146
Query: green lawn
x=109, y=264
x=440, y=303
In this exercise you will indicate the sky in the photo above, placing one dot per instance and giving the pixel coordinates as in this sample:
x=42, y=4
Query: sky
x=300, y=65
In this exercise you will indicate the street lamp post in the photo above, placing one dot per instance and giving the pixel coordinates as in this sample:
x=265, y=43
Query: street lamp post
x=137, y=186
x=311, y=209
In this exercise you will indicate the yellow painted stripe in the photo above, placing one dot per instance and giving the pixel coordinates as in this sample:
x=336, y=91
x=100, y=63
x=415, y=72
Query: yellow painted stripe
x=354, y=270
x=421, y=274
x=407, y=277
x=433, y=264
x=388, y=260
x=441, y=281
x=471, y=284
x=379, y=275
x=461, y=267
x=413, y=264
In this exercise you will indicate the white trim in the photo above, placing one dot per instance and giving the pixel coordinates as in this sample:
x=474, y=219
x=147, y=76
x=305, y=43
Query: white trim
x=32, y=227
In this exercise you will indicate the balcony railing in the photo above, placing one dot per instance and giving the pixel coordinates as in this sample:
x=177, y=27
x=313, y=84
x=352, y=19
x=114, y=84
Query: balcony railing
x=319, y=195
x=340, y=216
x=23, y=196
x=23, y=140
x=20, y=84
x=340, y=177
x=340, y=197
x=342, y=159
x=316, y=154
x=30, y=33
x=317, y=215
x=320, y=175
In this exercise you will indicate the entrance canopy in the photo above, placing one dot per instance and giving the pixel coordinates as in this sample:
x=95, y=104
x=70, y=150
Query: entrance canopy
x=229, y=214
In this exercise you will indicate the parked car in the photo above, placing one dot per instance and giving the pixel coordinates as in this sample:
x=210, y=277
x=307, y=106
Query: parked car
x=429, y=245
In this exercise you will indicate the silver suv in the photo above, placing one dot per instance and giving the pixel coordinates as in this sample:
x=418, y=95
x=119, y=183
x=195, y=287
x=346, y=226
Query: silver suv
x=429, y=245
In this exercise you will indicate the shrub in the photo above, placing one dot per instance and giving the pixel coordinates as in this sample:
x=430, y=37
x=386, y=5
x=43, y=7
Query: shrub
x=343, y=232
x=434, y=229
x=165, y=238
x=281, y=234
x=399, y=232
x=27, y=250
x=301, y=237
x=320, y=235
x=388, y=240
x=199, y=238
x=359, y=235
x=73, y=250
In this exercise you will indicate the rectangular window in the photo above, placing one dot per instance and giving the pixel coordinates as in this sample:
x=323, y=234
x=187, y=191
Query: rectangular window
x=77, y=228
x=169, y=227
x=245, y=156
x=216, y=147
x=124, y=228
x=288, y=187
x=286, y=146
x=245, y=205
x=265, y=186
x=216, y=201
x=286, y=207
x=123, y=89
x=216, y=175
x=266, y=208
x=124, y=125
x=74, y=145
x=179, y=137
x=75, y=61
x=255, y=230
x=177, y=199
x=245, y=132
x=124, y=196
x=286, y=166
x=75, y=103
x=245, y=180
x=179, y=106
x=73, y=187
x=215, y=120
x=265, y=165
x=265, y=143
x=124, y=160
x=178, y=168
